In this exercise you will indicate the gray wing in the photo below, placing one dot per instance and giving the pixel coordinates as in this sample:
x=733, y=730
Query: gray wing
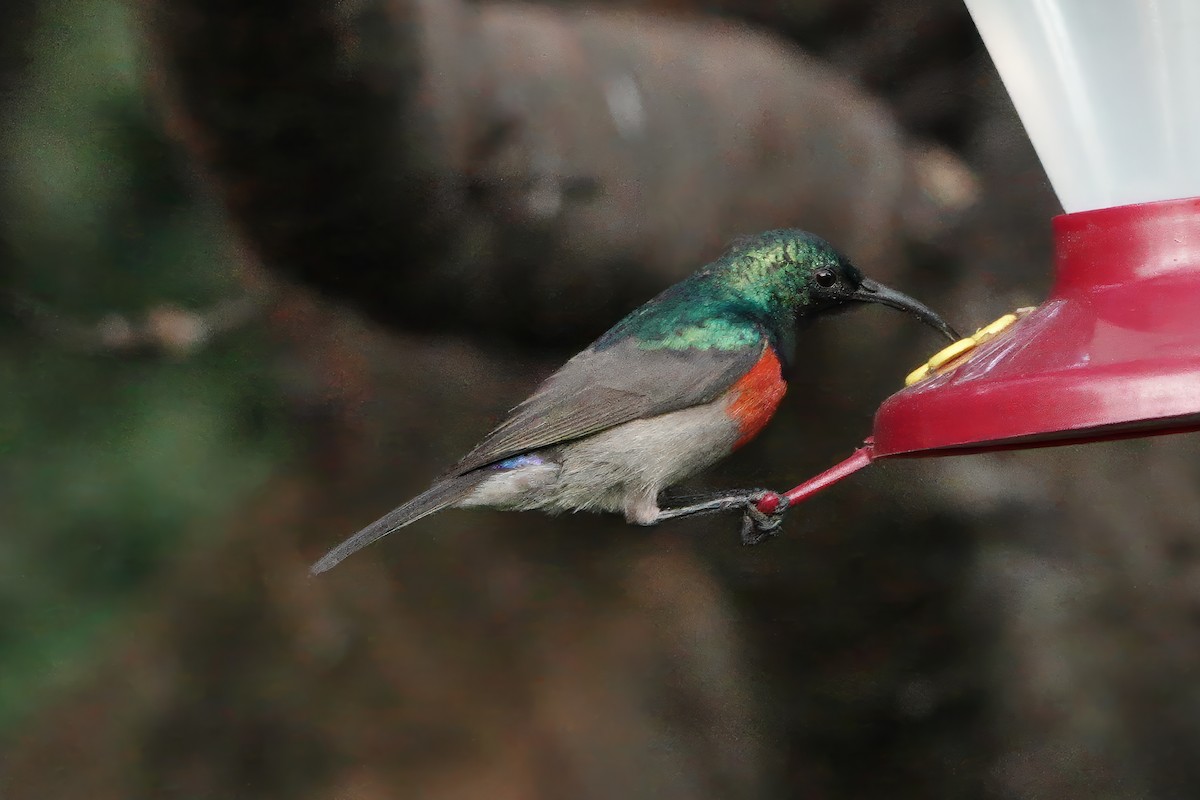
x=599, y=389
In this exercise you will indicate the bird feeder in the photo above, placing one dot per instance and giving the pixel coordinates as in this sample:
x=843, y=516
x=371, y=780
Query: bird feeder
x=1108, y=94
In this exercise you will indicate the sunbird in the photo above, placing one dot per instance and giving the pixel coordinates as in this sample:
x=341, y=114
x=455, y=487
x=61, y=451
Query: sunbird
x=674, y=387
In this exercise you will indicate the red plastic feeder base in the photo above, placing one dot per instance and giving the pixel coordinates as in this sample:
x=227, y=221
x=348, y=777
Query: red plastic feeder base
x=1114, y=352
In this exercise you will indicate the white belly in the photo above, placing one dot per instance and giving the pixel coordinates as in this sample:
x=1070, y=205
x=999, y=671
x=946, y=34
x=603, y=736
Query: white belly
x=622, y=469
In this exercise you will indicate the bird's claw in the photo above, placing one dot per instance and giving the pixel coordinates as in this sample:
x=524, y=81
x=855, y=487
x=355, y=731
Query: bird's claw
x=757, y=524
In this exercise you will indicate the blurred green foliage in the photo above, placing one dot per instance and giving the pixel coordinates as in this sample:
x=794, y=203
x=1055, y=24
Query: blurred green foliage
x=107, y=463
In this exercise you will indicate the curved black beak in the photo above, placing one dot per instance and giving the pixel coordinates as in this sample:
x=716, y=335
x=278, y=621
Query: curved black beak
x=870, y=291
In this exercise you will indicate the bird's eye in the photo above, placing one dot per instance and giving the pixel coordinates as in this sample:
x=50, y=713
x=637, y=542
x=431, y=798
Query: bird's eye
x=825, y=278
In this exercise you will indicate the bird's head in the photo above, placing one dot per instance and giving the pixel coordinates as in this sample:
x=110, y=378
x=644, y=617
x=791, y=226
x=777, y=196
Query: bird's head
x=794, y=273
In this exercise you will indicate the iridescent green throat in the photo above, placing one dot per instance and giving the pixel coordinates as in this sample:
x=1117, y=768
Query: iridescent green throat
x=759, y=286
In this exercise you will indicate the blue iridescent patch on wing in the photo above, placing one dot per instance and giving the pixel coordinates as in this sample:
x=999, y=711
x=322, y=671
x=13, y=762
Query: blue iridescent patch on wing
x=516, y=462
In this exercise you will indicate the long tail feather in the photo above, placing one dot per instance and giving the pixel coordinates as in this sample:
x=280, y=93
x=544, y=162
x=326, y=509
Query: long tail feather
x=442, y=494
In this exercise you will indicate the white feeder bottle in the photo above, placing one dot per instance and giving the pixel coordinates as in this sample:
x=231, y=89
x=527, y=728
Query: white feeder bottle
x=1108, y=90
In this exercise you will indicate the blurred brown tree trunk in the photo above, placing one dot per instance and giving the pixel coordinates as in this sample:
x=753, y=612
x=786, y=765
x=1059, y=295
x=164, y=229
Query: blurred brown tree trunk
x=534, y=171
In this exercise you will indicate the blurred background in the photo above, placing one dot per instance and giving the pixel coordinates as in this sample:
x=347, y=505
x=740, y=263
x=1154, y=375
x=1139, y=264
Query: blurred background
x=265, y=270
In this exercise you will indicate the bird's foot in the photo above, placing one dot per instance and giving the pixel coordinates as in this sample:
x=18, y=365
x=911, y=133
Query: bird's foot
x=762, y=517
x=762, y=511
